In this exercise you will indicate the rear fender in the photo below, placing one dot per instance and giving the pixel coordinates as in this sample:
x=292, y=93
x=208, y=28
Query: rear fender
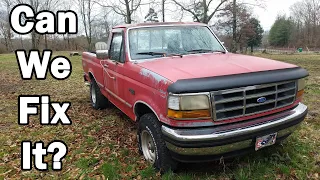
x=94, y=78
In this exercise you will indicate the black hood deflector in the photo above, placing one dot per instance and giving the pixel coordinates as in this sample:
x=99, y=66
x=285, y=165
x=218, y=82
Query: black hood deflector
x=235, y=81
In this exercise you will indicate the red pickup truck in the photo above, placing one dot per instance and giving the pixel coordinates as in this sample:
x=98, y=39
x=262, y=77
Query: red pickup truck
x=191, y=99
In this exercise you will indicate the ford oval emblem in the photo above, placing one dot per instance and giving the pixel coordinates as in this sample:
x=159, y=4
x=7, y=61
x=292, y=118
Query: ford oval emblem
x=262, y=100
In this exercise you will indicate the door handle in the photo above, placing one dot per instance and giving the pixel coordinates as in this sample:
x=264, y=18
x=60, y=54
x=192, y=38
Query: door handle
x=110, y=76
x=106, y=66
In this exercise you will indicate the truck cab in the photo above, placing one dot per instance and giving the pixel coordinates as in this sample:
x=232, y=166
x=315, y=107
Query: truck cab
x=192, y=100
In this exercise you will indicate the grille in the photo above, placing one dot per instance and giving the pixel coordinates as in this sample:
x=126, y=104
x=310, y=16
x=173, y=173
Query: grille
x=234, y=103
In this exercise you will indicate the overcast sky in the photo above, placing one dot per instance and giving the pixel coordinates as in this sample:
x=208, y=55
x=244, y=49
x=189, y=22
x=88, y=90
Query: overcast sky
x=268, y=15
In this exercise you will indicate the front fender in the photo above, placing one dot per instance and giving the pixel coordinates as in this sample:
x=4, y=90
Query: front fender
x=153, y=104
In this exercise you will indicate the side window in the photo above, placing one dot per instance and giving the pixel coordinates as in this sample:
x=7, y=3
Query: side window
x=116, y=49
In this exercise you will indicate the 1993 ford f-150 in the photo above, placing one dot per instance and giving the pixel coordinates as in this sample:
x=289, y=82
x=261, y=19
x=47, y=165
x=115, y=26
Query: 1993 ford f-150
x=192, y=100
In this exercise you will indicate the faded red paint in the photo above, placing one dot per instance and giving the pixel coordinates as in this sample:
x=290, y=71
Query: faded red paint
x=208, y=65
x=150, y=79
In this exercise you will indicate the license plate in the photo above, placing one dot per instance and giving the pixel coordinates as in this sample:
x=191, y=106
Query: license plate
x=265, y=141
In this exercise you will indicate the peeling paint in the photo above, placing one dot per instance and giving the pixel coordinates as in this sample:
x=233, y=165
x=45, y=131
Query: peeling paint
x=150, y=74
x=163, y=94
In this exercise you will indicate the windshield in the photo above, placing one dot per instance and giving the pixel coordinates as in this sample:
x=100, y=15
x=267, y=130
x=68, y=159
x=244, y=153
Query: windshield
x=154, y=42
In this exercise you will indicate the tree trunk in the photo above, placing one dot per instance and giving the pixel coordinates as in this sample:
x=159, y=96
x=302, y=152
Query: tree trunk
x=68, y=37
x=33, y=40
x=6, y=43
x=128, y=14
x=45, y=41
x=234, y=27
x=205, y=14
x=10, y=45
x=163, y=11
x=38, y=39
x=21, y=41
x=89, y=44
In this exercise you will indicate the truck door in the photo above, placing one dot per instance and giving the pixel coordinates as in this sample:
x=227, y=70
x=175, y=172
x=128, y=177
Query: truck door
x=116, y=57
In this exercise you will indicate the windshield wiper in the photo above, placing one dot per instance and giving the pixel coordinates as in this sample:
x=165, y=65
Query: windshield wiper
x=221, y=51
x=200, y=50
x=152, y=53
x=171, y=55
x=159, y=53
x=205, y=51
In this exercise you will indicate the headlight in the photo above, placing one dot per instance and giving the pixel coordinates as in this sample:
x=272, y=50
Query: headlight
x=189, y=106
x=301, y=86
x=198, y=102
x=174, y=102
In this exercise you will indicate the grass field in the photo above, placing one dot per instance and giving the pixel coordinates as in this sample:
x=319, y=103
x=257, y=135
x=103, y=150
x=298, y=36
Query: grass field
x=103, y=145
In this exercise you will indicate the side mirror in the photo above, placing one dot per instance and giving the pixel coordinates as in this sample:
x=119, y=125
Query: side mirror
x=102, y=50
x=102, y=54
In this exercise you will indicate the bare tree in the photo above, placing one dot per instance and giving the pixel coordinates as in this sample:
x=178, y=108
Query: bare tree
x=200, y=9
x=104, y=23
x=125, y=8
x=306, y=17
x=37, y=6
x=67, y=6
x=5, y=28
x=86, y=8
x=49, y=5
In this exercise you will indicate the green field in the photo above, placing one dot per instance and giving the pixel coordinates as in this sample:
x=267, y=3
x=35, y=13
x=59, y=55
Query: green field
x=102, y=144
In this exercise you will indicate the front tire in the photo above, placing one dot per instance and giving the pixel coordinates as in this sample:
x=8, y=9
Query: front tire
x=98, y=101
x=152, y=145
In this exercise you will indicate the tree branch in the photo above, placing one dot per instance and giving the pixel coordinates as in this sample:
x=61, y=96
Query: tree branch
x=186, y=9
x=216, y=9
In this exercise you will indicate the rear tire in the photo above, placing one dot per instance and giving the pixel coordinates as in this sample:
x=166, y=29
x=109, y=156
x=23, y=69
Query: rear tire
x=152, y=145
x=98, y=101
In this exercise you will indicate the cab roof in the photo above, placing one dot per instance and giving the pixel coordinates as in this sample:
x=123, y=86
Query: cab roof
x=157, y=24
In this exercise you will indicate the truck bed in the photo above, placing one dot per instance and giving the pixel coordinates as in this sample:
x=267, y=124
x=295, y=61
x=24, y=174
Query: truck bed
x=91, y=64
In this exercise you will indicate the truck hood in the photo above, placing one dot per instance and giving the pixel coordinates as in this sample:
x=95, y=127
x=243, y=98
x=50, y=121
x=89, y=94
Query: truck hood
x=210, y=65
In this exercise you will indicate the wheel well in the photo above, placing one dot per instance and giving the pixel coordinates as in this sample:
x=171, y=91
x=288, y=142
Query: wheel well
x=141, y=109
x=91, y=76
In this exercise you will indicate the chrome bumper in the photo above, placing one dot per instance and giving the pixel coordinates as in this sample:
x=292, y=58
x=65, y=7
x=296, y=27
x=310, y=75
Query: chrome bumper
x=232, y=137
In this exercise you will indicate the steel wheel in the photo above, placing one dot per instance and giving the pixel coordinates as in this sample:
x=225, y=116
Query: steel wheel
x=152, y=145
x=148, y=146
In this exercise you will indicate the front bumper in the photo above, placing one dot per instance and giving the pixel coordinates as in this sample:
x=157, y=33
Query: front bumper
x=206, y=144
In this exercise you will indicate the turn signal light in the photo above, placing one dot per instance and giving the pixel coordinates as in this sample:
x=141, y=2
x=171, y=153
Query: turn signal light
x=300, y=94
x=189, y=114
